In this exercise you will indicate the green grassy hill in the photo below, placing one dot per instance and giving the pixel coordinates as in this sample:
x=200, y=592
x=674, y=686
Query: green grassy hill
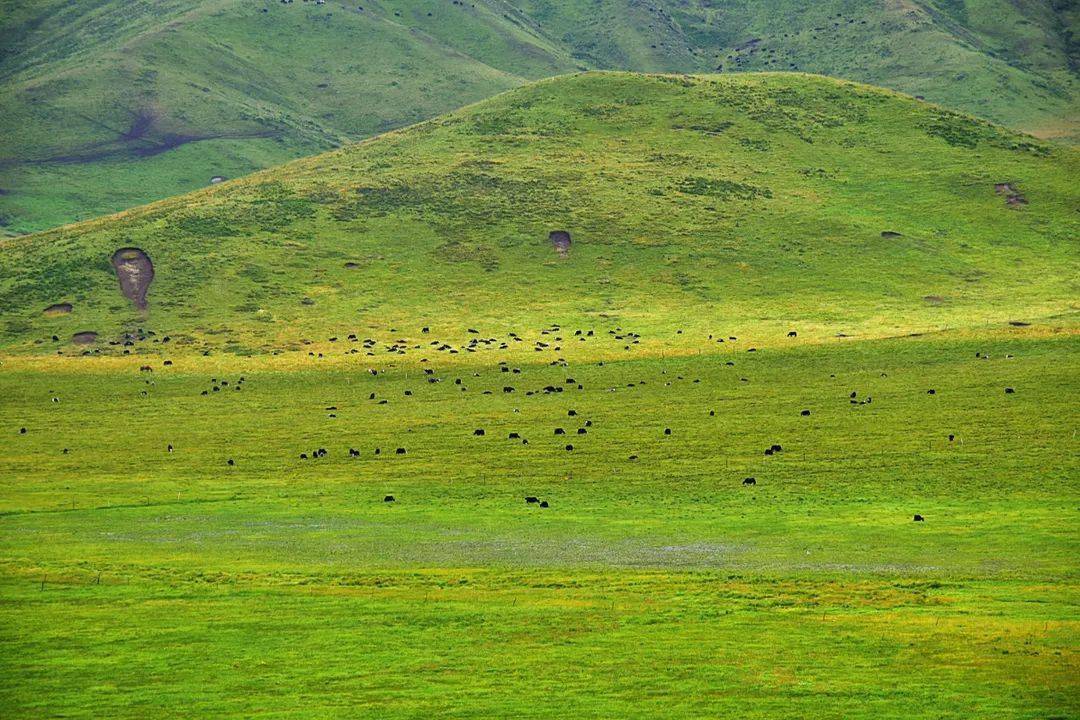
x=1012, y=62
x=704, y=204
x=796, y=405
x=110, y=104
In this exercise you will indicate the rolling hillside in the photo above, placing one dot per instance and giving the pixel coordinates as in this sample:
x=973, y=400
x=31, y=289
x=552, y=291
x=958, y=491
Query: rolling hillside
x=611, y=396
x=691, y=203
x=110, y=104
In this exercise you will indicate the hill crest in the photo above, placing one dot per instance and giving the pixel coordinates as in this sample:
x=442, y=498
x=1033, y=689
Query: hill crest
x=692, y=201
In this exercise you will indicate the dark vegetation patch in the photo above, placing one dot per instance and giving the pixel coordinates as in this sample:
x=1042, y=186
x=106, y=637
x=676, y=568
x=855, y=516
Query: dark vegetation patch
x=274, y=208
x=459, y=251
x=671, y=159
x=955, y=8
x=17, y=326
x=714, y=128
x=602, y=110
x=205, y=226
x=514, y=122
x=269, y=208
x=376, y=202
x=797, y=111
x=255, y=273
x=454, y=202
x=721, y=189
x=963, y=131
x=756, y=145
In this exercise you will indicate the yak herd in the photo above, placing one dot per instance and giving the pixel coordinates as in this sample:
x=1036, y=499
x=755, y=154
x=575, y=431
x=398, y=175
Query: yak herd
x=550, y=338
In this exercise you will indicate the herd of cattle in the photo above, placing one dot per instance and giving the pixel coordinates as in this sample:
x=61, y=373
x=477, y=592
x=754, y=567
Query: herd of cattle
x=550, y=338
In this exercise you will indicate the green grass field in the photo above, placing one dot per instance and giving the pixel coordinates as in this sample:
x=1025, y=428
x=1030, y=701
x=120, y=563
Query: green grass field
x=111, y=103
x=136, y=581
x=140, y=582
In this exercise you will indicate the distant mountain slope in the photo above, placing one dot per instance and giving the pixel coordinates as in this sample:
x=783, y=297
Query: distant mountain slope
x=1013, y=62
x=108, y=104
x=747, y=202
x=111, y=104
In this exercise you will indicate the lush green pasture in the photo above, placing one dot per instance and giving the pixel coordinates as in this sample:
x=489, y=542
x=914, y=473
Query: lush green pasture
x=140, y=582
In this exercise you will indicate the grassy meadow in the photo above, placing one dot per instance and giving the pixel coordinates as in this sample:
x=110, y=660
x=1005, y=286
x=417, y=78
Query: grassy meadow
x=865, y=303
x=138, y=581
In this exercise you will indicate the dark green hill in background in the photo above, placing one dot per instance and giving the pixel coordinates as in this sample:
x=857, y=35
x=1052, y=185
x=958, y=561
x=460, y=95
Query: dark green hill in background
x=110, y=104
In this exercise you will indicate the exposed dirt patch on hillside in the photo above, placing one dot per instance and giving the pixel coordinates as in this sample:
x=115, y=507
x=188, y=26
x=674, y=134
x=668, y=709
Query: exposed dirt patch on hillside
x=58, y=309
x=135, y=272
x=1013, y=197
x=934, y=299
x=84, y=338
x=560, y=240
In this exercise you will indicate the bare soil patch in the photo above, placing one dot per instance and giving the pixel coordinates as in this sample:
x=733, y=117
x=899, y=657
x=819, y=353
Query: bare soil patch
x=560, y=240
x=135, y=272
x=1013, y=197
x=59, y=309
x=84, y=338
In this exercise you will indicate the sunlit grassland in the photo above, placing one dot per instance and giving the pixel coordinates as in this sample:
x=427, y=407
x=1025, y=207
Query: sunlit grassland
x=140, y=581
